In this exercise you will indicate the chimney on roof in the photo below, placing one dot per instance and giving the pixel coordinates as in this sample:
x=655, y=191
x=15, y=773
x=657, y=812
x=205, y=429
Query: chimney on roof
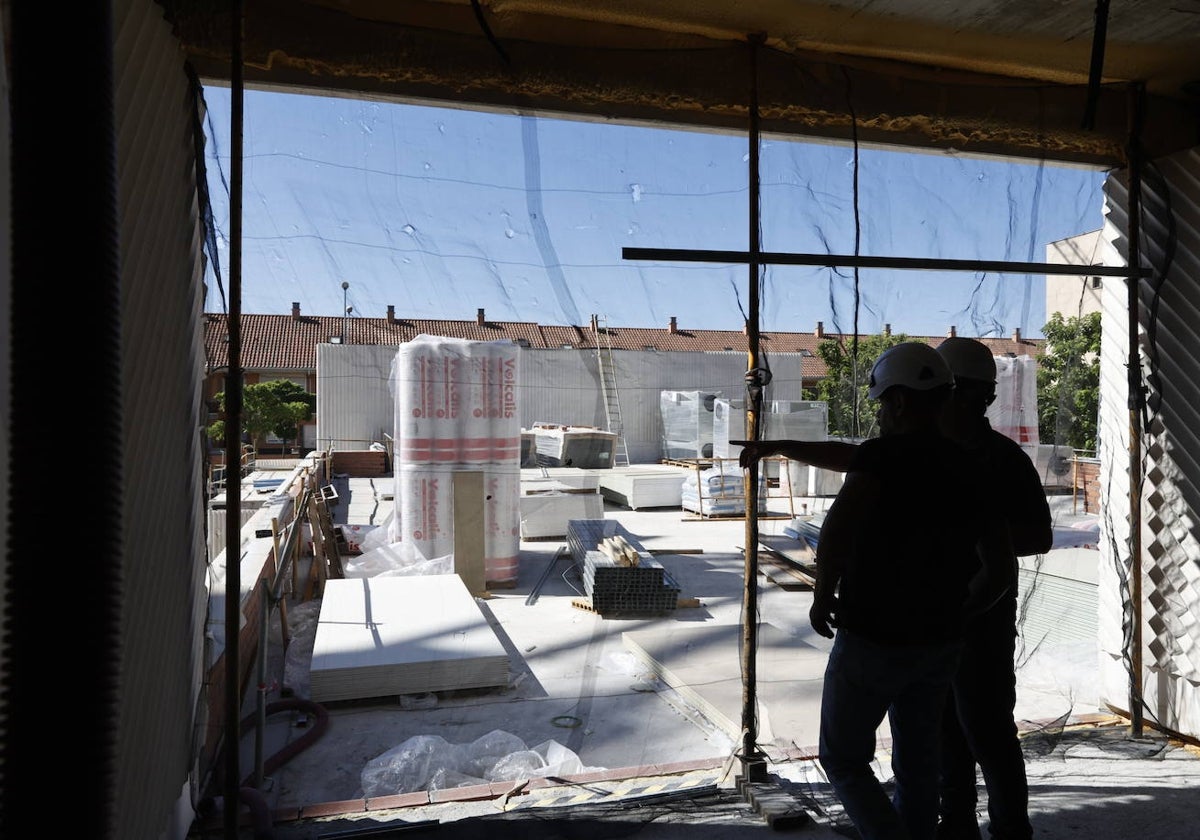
x=674, y=327
x=391, y=314
x=887, y=329
x=479, y=319
x=819, y=332
x=295, y=310
x=745, y=328
x=1016, y=333
x=953, y=332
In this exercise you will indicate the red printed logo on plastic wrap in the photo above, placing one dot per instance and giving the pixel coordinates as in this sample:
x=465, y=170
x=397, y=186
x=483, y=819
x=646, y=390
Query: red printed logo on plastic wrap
x=429, y=507
x=509, y=386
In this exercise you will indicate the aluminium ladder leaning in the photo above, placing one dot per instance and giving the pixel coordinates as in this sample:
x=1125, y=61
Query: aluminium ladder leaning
x=608, y=385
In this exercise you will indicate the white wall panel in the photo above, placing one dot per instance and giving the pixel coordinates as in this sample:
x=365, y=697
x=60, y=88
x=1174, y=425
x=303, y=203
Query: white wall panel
x=562, y=386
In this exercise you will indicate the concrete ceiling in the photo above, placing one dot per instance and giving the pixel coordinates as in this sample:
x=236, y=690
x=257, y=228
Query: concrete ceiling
x=989, y=76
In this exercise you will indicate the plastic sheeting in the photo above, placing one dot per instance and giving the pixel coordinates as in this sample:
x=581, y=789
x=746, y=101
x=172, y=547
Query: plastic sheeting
x=442, y=211
x=456, y=409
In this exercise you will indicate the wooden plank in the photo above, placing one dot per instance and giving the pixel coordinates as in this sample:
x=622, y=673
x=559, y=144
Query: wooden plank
x=319, y=571
x=786, y=576
x=468, y=530
x=329, y=536
x=283, y=622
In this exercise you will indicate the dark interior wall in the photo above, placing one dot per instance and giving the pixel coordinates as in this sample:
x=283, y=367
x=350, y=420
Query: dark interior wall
x=165, y=597
x=106, y=595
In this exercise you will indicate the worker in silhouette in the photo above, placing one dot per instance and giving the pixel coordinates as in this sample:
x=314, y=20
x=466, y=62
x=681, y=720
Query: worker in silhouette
x=909, y=550
x=979, y=724
x=980, y=727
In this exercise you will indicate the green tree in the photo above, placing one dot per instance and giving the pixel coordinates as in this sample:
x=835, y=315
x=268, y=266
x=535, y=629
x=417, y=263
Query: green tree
x=275, y=407
x=1068, y=381
x=837, y=388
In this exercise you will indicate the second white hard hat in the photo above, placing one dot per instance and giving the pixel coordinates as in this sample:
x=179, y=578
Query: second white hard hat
x=969, y=359
x=912, y=364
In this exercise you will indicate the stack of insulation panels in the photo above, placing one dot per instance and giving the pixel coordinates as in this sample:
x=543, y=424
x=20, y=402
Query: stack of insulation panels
x=455, y=411
x=409, y=634
x=687, y=420
x=546, y=513
x=644, y=486
x=585, y=447
x=613, y=587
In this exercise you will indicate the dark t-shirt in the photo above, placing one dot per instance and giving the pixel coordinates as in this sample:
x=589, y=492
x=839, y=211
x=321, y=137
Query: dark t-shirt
x=1018, y=490
x=906, y=578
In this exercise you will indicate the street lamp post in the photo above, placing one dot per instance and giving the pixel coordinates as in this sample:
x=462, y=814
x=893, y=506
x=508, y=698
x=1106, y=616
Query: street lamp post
x=345, y=311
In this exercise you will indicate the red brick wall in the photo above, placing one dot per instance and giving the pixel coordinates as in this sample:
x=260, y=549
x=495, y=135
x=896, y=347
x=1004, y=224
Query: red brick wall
x=1087, y=486
x=361, y=463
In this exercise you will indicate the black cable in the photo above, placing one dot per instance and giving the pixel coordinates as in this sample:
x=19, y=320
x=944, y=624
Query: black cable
x=1162, y=189
x=1096, y=71
x=202, y=195
x=487, y=31
x=854, y=423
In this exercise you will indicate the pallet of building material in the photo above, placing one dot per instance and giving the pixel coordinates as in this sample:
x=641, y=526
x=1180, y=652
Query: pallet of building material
x=545, y=515
x=646, y=587
x=585, y=603
x=586, y=447
x=619, y=586
x=646, y=486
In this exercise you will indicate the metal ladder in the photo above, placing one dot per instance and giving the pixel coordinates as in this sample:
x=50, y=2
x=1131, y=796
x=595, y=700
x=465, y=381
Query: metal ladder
x=608, y=385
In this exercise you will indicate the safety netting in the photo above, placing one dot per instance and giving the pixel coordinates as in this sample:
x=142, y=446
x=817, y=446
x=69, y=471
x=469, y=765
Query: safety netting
x=352, y=207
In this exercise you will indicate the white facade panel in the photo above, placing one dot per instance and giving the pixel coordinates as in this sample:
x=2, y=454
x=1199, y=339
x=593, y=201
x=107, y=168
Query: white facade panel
x=1169, y=454
x=561, y=386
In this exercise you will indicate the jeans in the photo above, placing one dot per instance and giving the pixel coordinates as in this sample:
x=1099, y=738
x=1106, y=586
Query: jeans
x=864, y=681
x=979, y=728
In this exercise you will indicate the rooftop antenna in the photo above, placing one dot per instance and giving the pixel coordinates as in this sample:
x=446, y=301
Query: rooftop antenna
x=345, y=310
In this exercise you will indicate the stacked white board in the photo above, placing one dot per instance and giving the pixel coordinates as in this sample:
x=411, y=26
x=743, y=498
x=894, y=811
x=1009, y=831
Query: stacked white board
x=386, y=636
x=546, y=514
x=644, y=486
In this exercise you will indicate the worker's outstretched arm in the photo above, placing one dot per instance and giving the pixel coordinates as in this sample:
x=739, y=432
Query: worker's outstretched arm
x=825, y=454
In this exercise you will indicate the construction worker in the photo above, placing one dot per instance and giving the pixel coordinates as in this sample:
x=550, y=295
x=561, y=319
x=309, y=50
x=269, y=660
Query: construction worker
x=979, y=725
x=909, y=550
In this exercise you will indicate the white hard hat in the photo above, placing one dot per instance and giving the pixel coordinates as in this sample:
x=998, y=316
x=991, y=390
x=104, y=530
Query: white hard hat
x=912, y=364
x=969, y=359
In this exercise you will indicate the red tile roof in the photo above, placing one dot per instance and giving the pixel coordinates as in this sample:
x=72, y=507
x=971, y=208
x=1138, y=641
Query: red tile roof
x=289, y=342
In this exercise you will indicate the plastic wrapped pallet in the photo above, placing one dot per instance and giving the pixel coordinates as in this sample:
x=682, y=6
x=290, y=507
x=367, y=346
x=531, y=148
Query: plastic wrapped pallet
x=720, y=491
x=456, y=409
x=687, y=421
x=781, y=420
x=584, y=447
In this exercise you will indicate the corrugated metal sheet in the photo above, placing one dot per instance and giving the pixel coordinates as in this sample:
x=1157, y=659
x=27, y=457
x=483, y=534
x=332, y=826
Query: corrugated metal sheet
x=162, y=371
x=355, y=404
x=1055, y=610
x=1169, y=321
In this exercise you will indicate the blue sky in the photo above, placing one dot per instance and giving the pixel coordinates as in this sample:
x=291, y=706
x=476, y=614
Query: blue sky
x=442, y=211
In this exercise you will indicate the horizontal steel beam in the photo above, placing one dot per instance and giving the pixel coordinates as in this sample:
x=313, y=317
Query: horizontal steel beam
x=902, y=263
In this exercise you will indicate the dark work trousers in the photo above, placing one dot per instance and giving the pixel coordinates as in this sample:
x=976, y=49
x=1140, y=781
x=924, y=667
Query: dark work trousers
x=978, y=728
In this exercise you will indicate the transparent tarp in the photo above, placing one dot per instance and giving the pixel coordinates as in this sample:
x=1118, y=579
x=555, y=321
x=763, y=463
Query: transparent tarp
x=440, y=213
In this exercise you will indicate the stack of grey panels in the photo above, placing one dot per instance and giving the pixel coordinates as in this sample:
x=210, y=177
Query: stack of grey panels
x=615, y=588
